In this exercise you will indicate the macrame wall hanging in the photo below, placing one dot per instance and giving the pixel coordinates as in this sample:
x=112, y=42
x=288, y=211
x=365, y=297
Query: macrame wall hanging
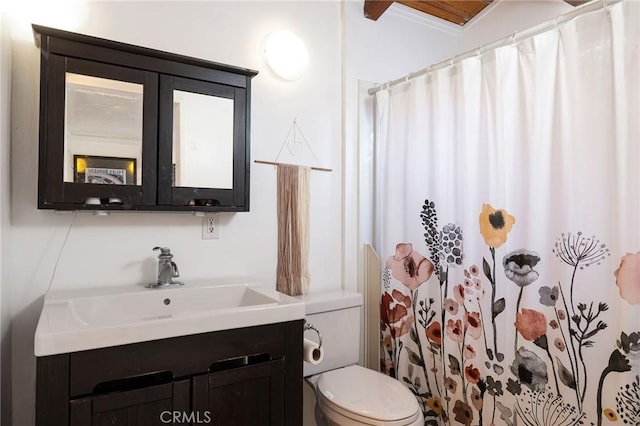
x=292, y=274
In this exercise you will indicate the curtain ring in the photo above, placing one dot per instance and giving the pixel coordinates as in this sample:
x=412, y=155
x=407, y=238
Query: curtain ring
x=478, y=54
x=513, y=39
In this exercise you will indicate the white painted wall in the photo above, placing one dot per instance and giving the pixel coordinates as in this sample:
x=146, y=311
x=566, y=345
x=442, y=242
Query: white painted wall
x=509, y=16
x=116, y=250
x=5, y=228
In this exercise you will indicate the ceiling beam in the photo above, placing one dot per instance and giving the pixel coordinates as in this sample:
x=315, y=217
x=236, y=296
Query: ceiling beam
x=373, y=9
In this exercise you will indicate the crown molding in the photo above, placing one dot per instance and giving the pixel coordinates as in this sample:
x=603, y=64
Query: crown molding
x=480, y=16
x=405, y=12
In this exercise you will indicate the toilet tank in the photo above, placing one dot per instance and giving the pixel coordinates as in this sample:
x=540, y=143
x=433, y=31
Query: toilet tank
x=337, y=316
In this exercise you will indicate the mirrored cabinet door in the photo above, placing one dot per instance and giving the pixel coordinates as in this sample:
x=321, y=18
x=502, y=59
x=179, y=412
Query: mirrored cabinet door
x=202, y=150
x=105, y=151
x=102, y=130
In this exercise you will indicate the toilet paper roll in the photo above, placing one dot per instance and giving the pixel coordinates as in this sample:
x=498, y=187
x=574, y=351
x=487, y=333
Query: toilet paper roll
x=311, y=353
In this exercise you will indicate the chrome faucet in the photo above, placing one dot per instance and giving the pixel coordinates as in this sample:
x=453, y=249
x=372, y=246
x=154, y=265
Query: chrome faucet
x=167, y=270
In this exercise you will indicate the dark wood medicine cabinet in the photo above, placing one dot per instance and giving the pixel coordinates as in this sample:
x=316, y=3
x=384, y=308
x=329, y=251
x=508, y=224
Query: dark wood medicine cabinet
x=124, y=127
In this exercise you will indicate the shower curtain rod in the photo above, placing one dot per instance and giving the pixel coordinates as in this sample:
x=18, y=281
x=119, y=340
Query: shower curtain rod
x=512, y=39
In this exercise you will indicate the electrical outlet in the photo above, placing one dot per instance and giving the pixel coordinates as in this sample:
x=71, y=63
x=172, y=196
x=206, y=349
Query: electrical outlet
x=210, y=228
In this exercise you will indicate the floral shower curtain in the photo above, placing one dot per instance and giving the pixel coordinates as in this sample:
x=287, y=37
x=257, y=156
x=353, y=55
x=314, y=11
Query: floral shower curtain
x=509, y=218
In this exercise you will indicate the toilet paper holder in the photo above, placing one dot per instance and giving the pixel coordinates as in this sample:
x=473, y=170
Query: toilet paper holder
x=308, y=326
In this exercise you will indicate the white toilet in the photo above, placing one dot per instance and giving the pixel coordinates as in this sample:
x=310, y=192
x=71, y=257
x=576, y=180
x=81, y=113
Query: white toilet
x=347, y=394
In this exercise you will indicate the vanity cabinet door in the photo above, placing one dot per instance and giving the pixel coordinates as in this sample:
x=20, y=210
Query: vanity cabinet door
x=244, y=396
x=149, y=406
x=98, y=134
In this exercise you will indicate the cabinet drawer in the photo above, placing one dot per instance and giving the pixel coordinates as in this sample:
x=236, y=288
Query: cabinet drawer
x=179, y=356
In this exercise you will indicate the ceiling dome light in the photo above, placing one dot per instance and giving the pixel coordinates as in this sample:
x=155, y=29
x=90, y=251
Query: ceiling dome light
x=286, y=54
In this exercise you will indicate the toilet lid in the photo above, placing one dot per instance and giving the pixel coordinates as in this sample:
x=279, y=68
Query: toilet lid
x=367, y=393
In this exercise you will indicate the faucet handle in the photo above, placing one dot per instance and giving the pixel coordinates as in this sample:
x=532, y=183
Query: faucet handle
x=165, y=253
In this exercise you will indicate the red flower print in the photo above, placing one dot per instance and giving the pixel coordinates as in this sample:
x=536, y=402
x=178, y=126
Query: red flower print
x=454, y=330
x=458, y=292
x=403, y=326
x=450, y=384
x=559, y=344
x=474, y=270
x=476, y=398
x=409, y=267
x=434, y=333
x=405, y=300
x=628, y=278
x=531, y=324
x=463, y=413
x=451, y=306
x=395, y=318
x=477, y=283
x=473, y=324
x=472, y=374
x=385, y=304
x=469, y=352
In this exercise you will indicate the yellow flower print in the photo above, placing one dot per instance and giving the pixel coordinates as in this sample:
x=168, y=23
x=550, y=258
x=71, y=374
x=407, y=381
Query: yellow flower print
x=610, y=415
x=435, y=404
x=388, y=343
x=495, y=224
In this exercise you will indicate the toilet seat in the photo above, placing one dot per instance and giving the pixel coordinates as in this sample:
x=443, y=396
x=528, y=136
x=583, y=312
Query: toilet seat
x=367, y=397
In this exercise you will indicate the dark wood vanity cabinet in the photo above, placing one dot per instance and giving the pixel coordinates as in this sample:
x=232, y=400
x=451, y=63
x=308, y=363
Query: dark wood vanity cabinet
x=250, y=376
x=124, y=127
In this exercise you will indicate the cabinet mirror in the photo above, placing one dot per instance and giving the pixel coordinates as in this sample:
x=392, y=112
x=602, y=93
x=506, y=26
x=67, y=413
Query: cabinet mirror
x=202, y=140
x=103, y=131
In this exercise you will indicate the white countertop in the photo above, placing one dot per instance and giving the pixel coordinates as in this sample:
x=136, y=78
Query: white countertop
x=83, y=319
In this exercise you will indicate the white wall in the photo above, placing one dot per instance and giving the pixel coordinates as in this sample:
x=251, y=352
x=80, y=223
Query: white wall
x=508, y=16
x=116, y=250
x=5, y=229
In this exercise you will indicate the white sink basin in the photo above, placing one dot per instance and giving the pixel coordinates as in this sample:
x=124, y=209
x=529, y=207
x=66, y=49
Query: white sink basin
x=76, y=320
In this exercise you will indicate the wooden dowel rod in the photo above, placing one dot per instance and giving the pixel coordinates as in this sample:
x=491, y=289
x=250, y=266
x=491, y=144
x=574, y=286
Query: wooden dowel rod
x=322, y=169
